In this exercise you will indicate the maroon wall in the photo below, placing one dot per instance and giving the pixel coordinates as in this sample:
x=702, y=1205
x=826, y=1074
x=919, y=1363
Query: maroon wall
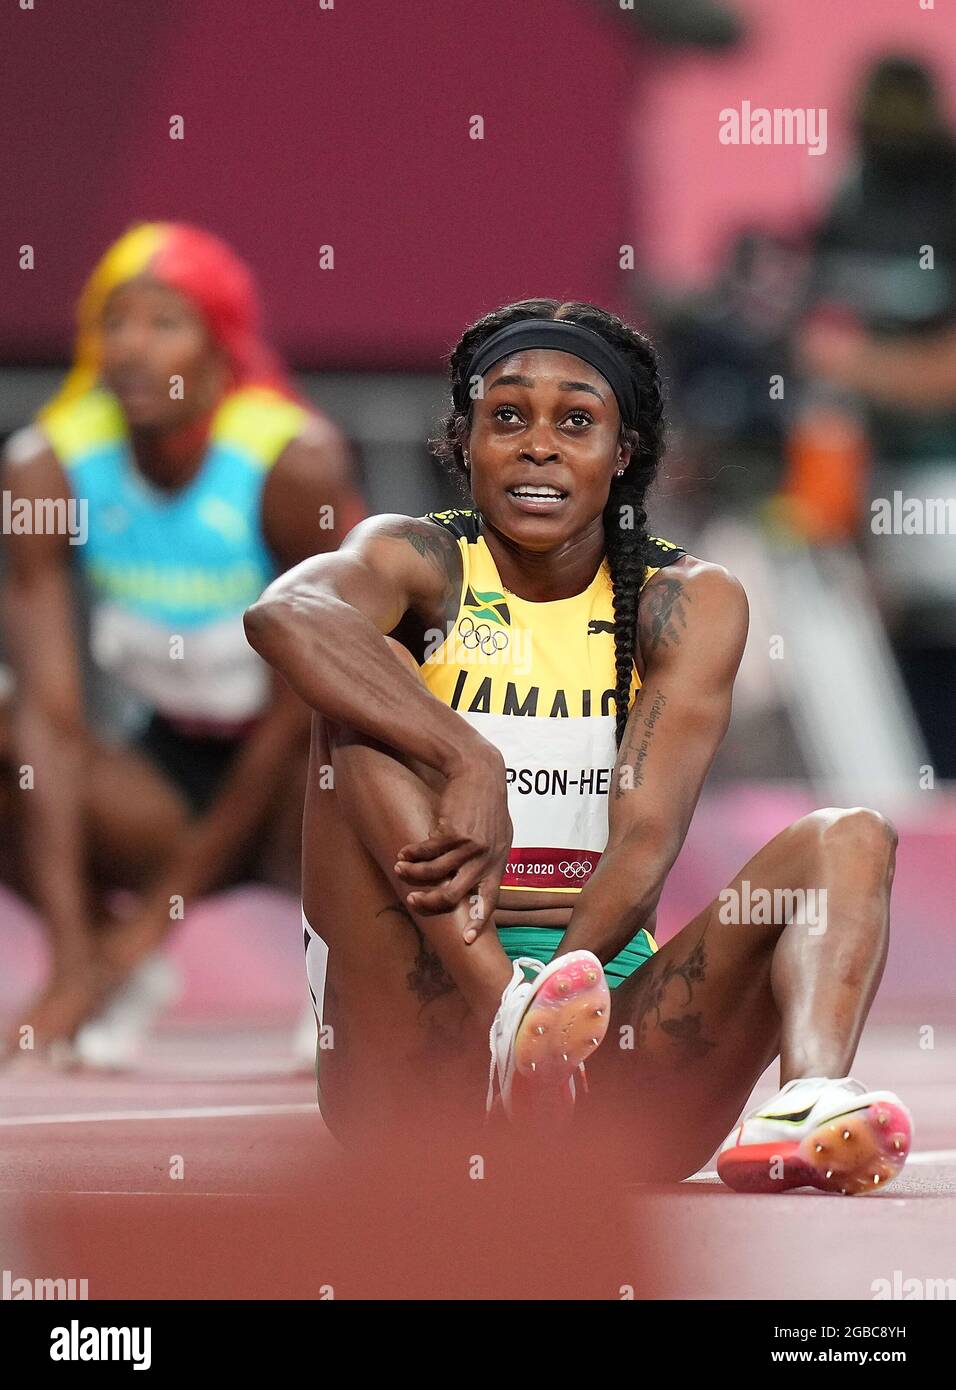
x=305, y=126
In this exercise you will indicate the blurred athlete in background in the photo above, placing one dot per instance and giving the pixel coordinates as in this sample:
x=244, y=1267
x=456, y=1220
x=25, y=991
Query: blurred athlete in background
x=203, y=475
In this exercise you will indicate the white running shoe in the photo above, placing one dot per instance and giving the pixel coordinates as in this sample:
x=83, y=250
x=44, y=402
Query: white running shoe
x=819, y=1132
x=547, y=1027
x=114, y=1038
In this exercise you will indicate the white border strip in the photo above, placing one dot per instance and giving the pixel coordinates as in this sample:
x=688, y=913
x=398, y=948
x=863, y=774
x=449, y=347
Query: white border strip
x=207, y=1112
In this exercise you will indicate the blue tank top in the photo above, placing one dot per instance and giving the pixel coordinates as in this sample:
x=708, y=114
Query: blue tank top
x=170, y=573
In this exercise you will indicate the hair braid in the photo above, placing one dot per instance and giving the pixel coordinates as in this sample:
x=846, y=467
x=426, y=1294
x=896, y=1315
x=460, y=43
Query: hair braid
x=625, y=515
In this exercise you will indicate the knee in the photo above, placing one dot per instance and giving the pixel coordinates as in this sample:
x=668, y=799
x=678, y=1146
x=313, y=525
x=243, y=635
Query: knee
x=856, y=833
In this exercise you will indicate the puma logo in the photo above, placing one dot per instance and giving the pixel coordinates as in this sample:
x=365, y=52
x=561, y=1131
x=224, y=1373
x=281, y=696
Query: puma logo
x=596, y=625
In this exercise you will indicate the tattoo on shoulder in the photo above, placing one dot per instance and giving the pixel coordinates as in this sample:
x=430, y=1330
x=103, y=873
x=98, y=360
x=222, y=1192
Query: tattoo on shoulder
x=435, y=545
x=662, y=614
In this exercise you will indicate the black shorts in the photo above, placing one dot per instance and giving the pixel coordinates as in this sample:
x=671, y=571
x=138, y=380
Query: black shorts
x=197, y=765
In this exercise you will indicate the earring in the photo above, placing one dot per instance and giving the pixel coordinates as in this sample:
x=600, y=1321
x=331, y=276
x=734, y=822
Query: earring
x=620, y=473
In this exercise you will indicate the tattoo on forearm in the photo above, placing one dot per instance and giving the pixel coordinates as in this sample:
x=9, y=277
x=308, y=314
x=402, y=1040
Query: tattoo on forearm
x=637, y=740
x=662, y=617
x=684, y=1029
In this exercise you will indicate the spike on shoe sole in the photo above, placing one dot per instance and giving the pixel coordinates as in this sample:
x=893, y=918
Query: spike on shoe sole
x=566, y=1018
x=853, y=1153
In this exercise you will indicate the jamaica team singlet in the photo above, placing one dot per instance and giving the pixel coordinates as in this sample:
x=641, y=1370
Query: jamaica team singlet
x=537, y=680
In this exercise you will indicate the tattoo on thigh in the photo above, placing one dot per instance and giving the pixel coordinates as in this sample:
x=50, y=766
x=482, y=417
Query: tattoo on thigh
x=684, y=1029
x=430, y=982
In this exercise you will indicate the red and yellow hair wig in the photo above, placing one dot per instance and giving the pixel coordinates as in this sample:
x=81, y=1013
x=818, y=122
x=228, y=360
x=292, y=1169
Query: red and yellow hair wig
x=209, y=274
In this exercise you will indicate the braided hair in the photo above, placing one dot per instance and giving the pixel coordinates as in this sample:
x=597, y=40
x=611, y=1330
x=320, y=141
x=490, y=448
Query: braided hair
x=625, y=516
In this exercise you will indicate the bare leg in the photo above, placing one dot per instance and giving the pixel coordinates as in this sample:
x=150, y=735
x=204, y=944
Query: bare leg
x=389, y=804
x=401, y=1051
x=134, y=820
x=391, y=801
x=694, y=1028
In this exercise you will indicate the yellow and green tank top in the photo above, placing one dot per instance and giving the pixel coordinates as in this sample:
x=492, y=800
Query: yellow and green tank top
x=537, y=680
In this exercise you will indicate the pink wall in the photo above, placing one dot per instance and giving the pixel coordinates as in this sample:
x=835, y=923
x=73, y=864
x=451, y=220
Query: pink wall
x=690, y=191
x=304, y=127
x=349, y=127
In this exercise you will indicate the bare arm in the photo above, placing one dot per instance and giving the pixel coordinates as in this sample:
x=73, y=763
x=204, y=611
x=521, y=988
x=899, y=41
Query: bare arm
x=323, y=624
x=49, y=732
x=310, y=501
x=909, y=374
x=323, y=627
x=692, y=627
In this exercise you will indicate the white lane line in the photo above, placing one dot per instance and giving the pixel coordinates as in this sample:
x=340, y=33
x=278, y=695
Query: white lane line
x=932, y=1156
x=205, y=1112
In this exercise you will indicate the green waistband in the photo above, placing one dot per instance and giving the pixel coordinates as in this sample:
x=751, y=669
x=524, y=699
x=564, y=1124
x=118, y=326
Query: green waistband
x=541, y=943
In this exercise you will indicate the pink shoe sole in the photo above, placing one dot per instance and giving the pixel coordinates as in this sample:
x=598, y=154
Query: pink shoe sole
x=857, y=1152
x=566, y=1019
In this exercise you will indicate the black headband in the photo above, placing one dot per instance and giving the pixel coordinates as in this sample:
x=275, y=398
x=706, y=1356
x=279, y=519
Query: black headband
x=560, y=336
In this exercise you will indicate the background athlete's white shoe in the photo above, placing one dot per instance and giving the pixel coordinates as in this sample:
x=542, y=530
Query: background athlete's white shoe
x=821, y=1132
x=114, y=1038
x=547, y=1027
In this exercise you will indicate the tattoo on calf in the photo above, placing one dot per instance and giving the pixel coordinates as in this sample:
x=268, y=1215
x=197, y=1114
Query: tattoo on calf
x=683, y=1029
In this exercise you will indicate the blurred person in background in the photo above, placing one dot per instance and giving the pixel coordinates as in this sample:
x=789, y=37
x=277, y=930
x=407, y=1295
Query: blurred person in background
x=203, y=475
x=878, y=350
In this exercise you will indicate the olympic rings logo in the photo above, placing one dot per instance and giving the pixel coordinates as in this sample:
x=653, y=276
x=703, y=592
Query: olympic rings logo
x=482, y=636
x=575, y=870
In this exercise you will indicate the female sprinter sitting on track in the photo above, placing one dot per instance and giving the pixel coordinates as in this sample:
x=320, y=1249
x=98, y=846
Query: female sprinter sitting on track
x=475, y=670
